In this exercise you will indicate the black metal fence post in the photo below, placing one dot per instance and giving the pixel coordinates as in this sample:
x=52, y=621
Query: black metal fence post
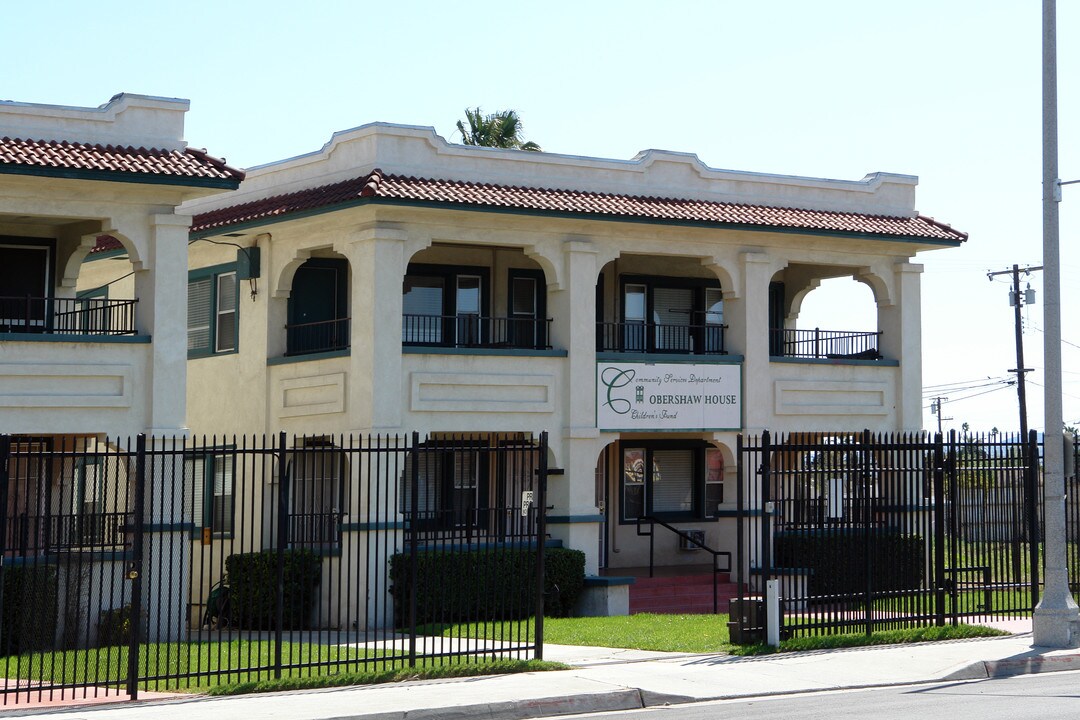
x=1031, y=508
x=541, y=539
x=135, y=572
x=766, y=514
x=740, y=503
x=411, y=532
x=5, y=477
x=869, y=546
x=282, y=544
x=939, y=531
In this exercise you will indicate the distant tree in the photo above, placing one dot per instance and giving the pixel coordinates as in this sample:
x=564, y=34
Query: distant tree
x=502, y=129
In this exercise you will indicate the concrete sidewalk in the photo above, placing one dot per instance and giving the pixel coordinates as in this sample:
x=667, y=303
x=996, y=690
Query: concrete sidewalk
x=610, y=679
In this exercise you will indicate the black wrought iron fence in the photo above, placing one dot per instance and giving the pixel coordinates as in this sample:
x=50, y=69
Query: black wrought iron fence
x=69, y=316
x=642, y=337
x=160, y=564
x=476, y=331
x=315, y=337
x=868, y=531
x=828, y=344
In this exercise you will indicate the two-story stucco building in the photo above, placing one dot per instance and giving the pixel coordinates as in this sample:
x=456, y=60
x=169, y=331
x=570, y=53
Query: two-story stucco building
x=642, y=311
x=80, y=369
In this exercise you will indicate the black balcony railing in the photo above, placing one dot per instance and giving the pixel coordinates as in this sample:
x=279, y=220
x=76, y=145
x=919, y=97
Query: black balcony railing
x=324, y=336
x=70, y=316
x=830, y=344
x=640, y=337
x=315, y=530
x=476, y=331
x=37, y=534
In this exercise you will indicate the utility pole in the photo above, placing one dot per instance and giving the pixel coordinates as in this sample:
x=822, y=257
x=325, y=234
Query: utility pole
x=935, y=409
x=1017, y=300
x=1055, y=619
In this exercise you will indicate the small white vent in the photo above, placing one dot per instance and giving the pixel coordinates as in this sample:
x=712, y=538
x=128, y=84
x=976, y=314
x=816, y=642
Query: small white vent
x=696, y=535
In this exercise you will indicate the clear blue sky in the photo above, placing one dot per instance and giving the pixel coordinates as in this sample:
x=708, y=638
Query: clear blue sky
x=948, y=91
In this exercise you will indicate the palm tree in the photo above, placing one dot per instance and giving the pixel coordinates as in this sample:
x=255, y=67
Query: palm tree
x=499, y=129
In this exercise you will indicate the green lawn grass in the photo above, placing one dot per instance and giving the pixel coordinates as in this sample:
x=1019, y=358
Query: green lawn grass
x=693, y=633
x=241, y=666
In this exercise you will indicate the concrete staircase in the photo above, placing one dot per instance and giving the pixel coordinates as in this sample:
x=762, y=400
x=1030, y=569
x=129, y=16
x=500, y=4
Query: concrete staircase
x=689, y=593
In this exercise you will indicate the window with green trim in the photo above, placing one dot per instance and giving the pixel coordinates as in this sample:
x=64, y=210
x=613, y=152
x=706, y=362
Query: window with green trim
x=213, y=299
x=208, y=498
x=672, y=480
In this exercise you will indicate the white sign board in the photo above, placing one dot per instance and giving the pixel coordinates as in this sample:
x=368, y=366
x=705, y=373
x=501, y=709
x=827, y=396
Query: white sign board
x=639, y=396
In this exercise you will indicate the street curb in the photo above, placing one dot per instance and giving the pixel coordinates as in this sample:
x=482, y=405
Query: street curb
x=626, y=699
x=1009, y=667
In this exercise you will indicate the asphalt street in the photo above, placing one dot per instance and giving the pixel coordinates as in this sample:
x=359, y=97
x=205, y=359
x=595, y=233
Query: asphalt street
x=1050, y=695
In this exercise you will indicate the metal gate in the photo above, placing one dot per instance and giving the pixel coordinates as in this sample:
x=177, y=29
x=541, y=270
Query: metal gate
x=165, y=565
x=869, y=531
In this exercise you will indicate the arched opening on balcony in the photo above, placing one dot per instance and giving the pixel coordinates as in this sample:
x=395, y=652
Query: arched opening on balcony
x=822, y=312
x=475, y=297
x=318, y=310
x=649, y=304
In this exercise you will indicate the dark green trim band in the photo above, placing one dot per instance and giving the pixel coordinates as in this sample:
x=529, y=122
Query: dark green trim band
x=368, y=527
x=54, y=558
x=641, y=431
x=653, y=358
x=571, y=216
x=608, y=580
x=755, y=570
x=65, y=337
x=833, y=361
x=210, y=271
x=117, y=176
x=737, y=513
x=574, y=519
x=522, y=352
x=105, y=255
x=168, y=527
x=283, y=360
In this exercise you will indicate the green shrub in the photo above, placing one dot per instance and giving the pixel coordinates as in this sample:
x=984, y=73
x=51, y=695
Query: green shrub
x=253, y=589
x=490, y=584
x=30, y=609
x=839, y=563
x=114, y=627
x=564, y=579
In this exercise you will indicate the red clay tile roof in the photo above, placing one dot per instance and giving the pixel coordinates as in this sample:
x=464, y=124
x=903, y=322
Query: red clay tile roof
x=377, y=186
x=189, y=165
x=105, y=243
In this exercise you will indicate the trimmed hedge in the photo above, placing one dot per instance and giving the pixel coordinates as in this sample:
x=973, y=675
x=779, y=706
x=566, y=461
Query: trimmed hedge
x=482, y=585
x=31, y=609
x=838, y=561
x=253, y=589
x=114, y=626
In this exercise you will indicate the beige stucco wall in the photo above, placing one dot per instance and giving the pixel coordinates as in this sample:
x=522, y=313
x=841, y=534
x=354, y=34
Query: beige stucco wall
x=378, y=387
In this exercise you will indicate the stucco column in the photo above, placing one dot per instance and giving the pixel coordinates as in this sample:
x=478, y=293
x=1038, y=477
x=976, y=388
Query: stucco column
x=161, y=287
x=376, y=389
x=574, y=519
x=900, y=324
x=748, y=320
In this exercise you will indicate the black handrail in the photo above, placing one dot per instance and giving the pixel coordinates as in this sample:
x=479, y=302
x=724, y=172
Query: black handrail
x=476, y=331
x=653, y=521
x=642, y=337
x=830, y=344
x=68, y=316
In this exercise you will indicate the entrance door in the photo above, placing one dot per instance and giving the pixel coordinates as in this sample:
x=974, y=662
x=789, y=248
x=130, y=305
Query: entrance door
x=602, y=505
x=318, y=299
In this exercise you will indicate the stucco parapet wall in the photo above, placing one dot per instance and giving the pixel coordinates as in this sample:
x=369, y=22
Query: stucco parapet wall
x=126, y=119
x=418, y=151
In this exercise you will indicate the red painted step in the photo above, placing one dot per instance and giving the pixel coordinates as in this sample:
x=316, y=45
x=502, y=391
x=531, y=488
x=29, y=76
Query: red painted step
x=688, y=594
